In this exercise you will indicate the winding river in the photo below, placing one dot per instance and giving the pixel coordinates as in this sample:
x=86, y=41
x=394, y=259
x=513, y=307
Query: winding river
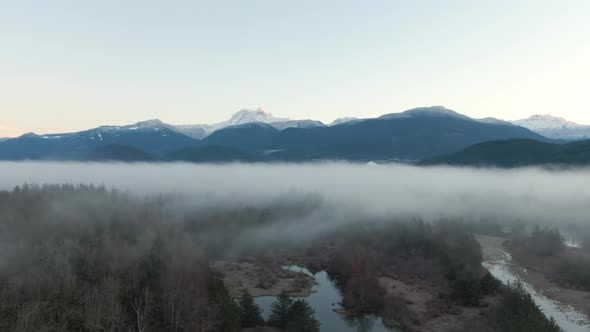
x=326, y=297
x=325, y=300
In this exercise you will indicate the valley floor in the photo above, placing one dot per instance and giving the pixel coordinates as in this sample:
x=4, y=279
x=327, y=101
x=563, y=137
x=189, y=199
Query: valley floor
x=416, y=293
x=536, y=274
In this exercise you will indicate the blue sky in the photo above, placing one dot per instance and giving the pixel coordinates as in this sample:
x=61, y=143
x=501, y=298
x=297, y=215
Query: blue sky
x=71, y=65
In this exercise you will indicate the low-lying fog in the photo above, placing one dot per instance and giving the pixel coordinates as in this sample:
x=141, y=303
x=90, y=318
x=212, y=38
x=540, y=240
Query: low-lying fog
x=536, y=195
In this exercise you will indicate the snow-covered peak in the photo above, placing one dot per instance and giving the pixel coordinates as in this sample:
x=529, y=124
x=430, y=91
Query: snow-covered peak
x=545, y=121
x=343, y=120
x=554, y=127
x=150, y=124
x=432, y=111
x=246, y=116
x=241, y=117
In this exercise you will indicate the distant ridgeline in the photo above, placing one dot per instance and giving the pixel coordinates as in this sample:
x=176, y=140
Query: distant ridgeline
x=518, y=153
x=412, y=136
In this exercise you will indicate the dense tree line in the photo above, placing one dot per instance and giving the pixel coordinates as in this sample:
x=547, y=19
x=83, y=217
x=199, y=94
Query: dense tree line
x=84, y=258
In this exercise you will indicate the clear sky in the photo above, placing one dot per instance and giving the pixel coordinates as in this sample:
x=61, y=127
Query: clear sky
x=68, y=65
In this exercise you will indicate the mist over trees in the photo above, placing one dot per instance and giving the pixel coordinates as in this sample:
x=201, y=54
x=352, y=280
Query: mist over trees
x=84, y=258
x=88, y=258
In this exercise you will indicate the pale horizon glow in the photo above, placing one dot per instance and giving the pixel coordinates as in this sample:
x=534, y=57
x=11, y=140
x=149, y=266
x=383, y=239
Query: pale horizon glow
x=67, y=65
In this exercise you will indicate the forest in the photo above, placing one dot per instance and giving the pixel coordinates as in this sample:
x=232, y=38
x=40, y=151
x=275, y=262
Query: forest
x=87, y=258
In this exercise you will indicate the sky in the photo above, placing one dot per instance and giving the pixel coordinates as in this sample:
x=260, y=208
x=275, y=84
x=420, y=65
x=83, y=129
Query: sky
x=68, y=65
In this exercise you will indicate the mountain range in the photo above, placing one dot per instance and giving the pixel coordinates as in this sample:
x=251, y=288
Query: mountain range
x=412, y=135
x=244, y=116
x=554, y=127
x=545, y=125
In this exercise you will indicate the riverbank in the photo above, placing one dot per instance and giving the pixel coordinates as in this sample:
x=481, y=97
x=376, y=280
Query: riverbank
x=544, y=274
x=415, y=294
x=570, y=306
x=260, y=279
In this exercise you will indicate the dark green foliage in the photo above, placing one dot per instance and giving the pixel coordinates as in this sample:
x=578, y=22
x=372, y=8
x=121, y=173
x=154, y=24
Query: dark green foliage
x=489, y=284
x=293, y=316
x=250, y=312
x=546, y=241
x=457, y=248
x=517, y=312
x=575, y=272
x=279, y=314
x=301, y=318
x=229, y=311
x=467, y=291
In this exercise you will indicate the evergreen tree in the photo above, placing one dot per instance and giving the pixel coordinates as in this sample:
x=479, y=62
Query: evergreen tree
x=466, y=289
x=229, y=311
x=546, y=241
x=517, y=311
x=301, y=318
x=489, y=284
x=279, y=314
x=250, y=312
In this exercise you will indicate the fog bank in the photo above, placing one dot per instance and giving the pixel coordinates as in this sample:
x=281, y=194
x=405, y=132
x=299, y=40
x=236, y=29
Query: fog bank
x=535, y=195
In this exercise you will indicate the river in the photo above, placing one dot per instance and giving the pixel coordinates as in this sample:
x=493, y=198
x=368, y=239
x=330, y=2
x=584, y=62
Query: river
x=501, y=266
x=324, y=300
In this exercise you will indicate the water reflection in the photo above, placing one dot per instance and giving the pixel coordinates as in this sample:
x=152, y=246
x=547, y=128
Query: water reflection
x=324, y=300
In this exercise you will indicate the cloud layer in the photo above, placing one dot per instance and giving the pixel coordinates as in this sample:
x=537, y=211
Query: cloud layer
x=374, y=190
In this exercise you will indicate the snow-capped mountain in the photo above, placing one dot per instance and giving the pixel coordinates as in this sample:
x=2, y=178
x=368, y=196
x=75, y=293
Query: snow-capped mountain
x=152, y=136
x=343, y=120
x=280, y=125
x=412, y=135
x=438, y=112
x=244, y=116
x=432, y=111
x=555, y=127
